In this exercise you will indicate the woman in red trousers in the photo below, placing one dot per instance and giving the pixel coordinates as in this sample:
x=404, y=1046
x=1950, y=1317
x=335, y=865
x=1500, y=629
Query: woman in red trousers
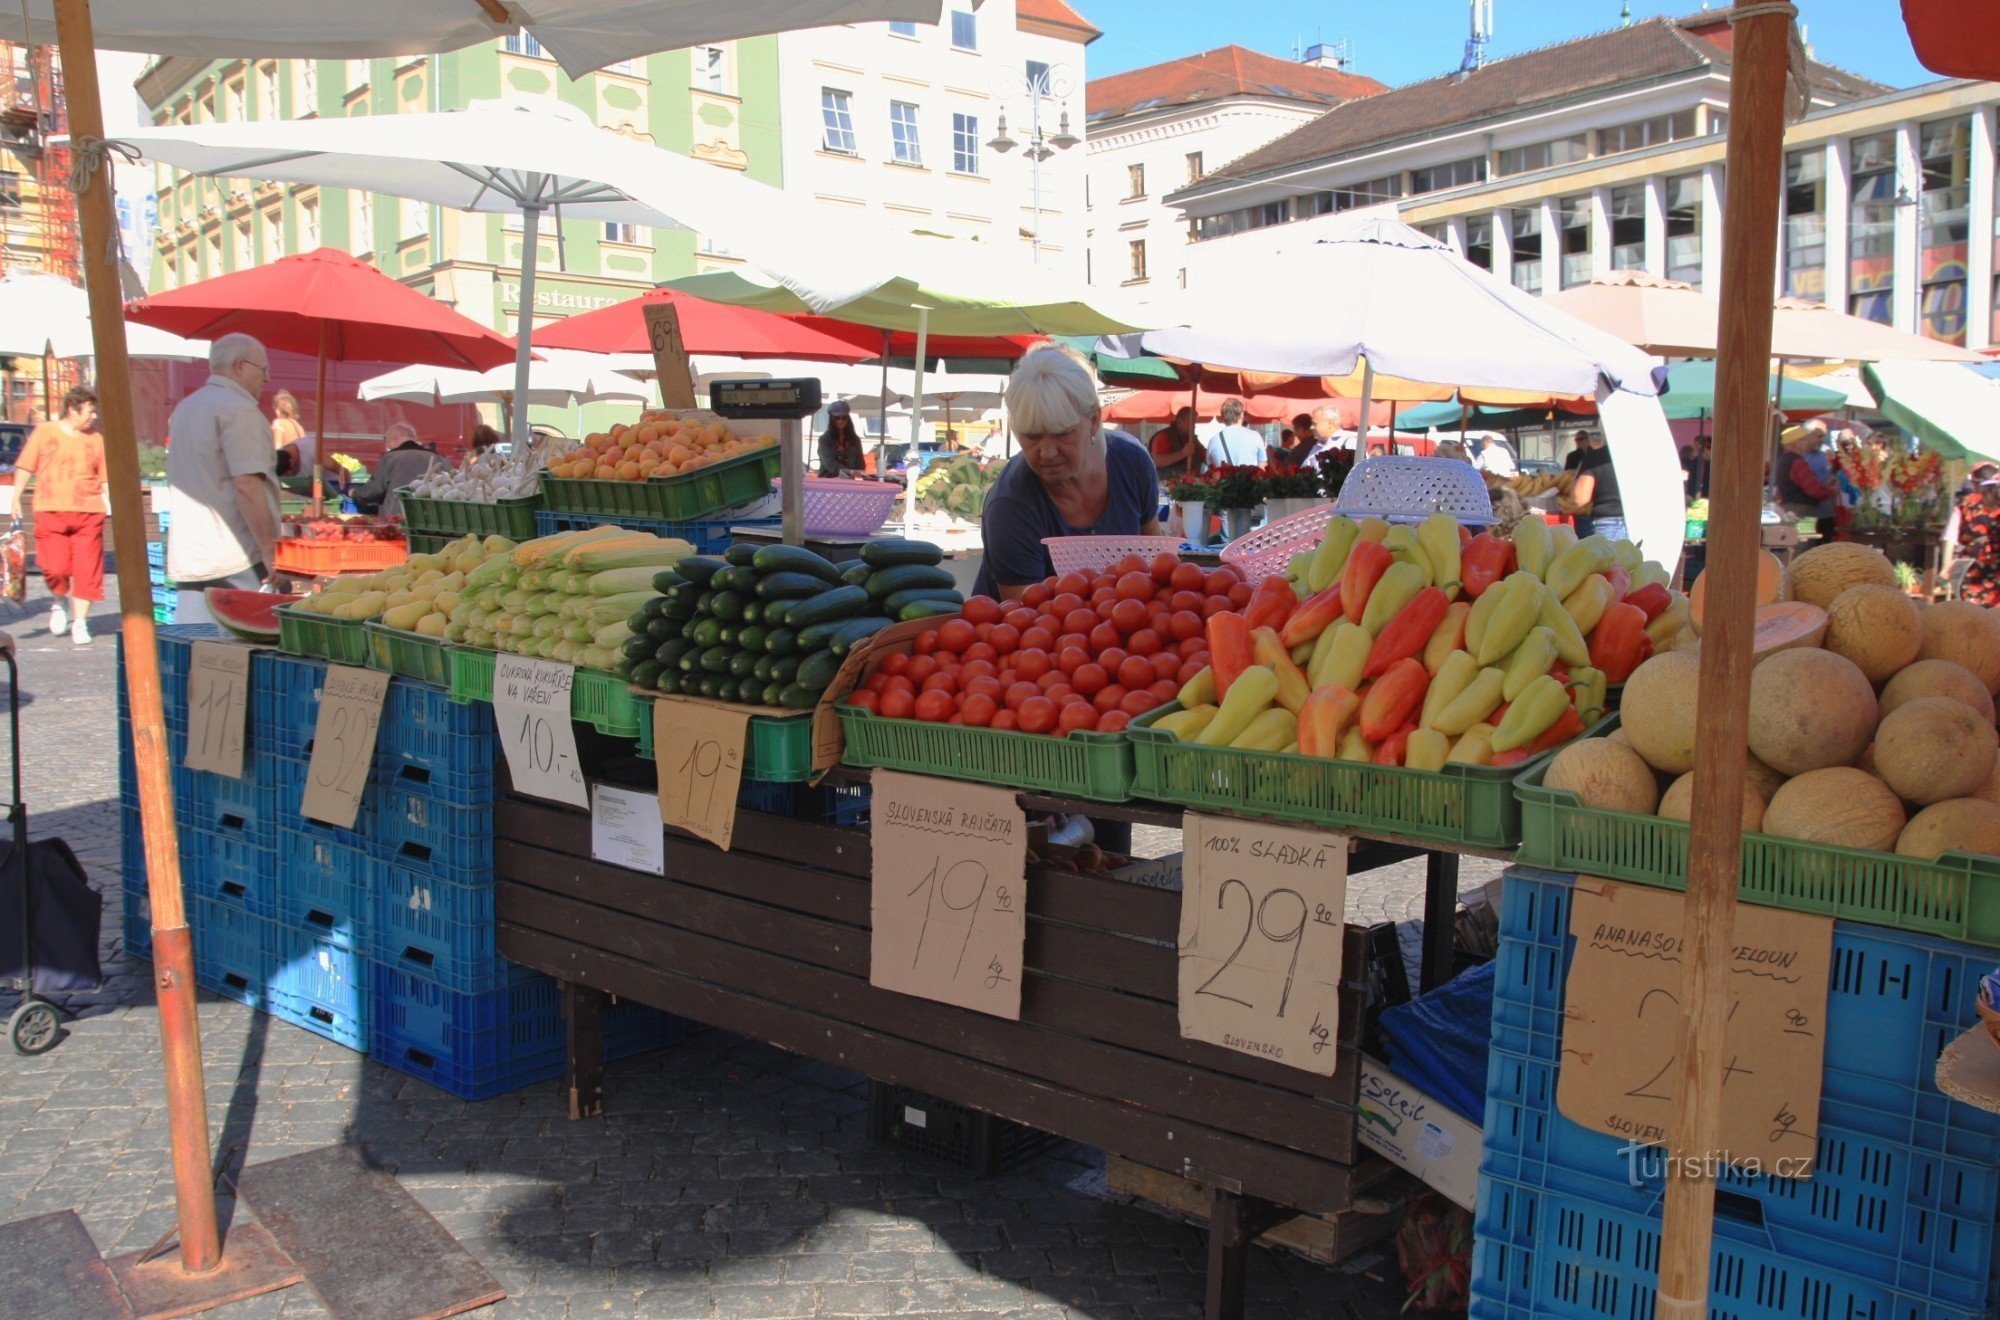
x=65, y=461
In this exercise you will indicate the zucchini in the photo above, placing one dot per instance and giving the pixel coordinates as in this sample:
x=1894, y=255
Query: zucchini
x=697, y=568
x=822, y=635
x=639, y=620
x=726, y=636
x=887, y=582
x=742, y=580
x=891, y=551
x=703, y=601
x=706, y=633
x=833, y=603
x=798, y=697
x=789, y=586
x=670, y=652
x=794, y=559
x=751, y=638
x=669, y=681
x=753, y=612
x=716, y=659
x=741, y=553
x=778, y=641
x=927, y=609
x=710, y=685
x=744, y=664
x=655, y=607
x=686, y=593
x=855, y=631
x=728, y=605
x=646, y=674
x=786, y=668
x=639, y=646
x=667, y=579
x=817, y=671
x=898, y=600
x=856, y=573
x=763, y=668
x=769, y=696
x=690, y=661
x=777, y=613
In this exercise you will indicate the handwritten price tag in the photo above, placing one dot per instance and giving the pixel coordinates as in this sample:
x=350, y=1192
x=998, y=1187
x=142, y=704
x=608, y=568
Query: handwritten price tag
x=670, y=359
x=950, y=900
x=1262, y=921
x=350, y=710
x=698, y=756
x=531, y=711
x=1621, y=1041
x=218, y=708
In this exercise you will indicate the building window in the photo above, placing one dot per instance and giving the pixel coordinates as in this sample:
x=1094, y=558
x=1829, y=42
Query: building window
x=1944, y=153
x=903, y=132
x=357, y=74
x=837, y=116
x=1573, y=218
x=308, y=223
x=362, y=212
x=413, y=218
x=1457, y=174
x=305, y=88
x=1805, y=224
x=1194, y=166
x=617, y=231
x=1684, y=228
x=522, y=43
x=903, y=29
x=1525, y=225
x=1628, y=227
x=214, y=246
x=1871, y=226
x=630, y=68
x=1479, y=241
x=1135, y=182
x=1371, y=193
x=964, y=143
x=1542, y=155
x=964, y=29
x=233, y=102
x=1038, y=78
x=274, y=236
x=1137, y=249
x=710, y=68
x=10, y=190
x=267, y=92
x=1652, y=132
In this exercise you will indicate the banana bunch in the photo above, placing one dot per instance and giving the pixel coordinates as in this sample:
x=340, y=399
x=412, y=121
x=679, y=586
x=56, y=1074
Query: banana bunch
x=1530, y=484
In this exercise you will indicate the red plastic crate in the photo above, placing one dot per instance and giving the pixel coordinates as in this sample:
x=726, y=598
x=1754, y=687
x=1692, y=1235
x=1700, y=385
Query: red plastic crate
x=314, y=557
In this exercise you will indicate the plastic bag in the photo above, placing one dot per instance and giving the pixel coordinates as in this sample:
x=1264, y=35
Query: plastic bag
x=14, y=563
x=1434, y=1249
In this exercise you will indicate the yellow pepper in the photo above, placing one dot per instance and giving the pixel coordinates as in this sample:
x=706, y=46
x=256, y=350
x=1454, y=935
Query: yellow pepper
x=1400, y=581
x=1186, y=724
x=1520, y=605
x=1453, y=677
x=1482, y=696
x=1339, y=537
x=1438, y=535
x=1569, y=641
x=1426, y=750
x=1482, y=610
x=1531, y=544
x=1586, y=605
x=1474, y=747
x=1529, y=716
x=1402, y=543
x=1561, y=537
x=1354, y=747
x=1268, y=651
x=1668, y=623
x=1627, y=553
x=1339, y=656
x=1199, y=690
x=1269, y=731
x=1648, y=573
x=1289, y=749
x=1531, y=659
x=1372, y=529
x=1449, y=637
x=1302, y=654
x=1587, y=692
x=1249, y=696
x=1567, y=571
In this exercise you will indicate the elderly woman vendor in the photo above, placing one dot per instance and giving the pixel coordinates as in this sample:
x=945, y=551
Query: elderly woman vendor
x=1071, y=478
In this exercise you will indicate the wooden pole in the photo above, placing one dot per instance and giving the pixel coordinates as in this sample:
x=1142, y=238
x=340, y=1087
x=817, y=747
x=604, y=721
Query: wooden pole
x=1715, y=842
x=48, y=388
x=320, y=450
x=173, y=949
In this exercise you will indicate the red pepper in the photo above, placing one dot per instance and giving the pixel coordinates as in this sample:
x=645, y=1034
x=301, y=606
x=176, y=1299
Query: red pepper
x=1619, y=644
x=1653, y=598
x=1486, y=560
x=1392, y=749
x=1407, y=633
x=1315, y=614
x=1229, y=649
x=1513, y=756
x=1393, y=699
x=1270, y=604
x=1620, y=579
x=1567, y=726
x=1366, y=563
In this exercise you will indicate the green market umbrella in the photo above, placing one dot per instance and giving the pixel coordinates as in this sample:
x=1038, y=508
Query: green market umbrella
x=1690, y=393
x=1945, y=405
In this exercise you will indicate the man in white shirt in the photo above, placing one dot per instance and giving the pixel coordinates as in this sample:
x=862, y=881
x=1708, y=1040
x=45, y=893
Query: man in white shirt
x=1496, y=457
x=221, y=468
x=1235, y=445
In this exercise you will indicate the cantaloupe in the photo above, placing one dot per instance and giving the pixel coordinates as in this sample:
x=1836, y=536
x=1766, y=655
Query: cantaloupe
x=1764, y=779
x=1785, y=625
x=1956, y=825
x=1967, y=634
x=1934, y=748
x=1989, y=788
x=1677, y=803
x=1937, y=678
x=1606, y=775
x=1658, y=710
x=1820, y=574
x=1839, y=805
x=1809, y=709
x=1771, y=586
x=1876, y=627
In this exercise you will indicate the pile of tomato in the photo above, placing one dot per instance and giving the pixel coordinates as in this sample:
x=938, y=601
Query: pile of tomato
x=1077, y=653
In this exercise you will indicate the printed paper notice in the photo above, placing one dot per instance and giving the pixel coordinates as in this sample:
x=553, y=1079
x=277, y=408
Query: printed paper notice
x=625, y=829
x=1622, y=1022
x=698, y=756
x=950, y=900
x=531, y=711
x=343, y=750
x=218, y=708
x=1263, y=917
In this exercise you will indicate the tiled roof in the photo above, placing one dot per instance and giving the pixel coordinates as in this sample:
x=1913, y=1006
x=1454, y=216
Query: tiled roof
x=1214, y=74
x=1059, y=14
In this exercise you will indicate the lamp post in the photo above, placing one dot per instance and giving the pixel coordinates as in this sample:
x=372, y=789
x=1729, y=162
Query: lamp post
x=1044, y=80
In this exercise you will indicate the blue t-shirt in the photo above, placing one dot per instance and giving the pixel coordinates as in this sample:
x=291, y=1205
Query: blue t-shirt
x=1019, y=513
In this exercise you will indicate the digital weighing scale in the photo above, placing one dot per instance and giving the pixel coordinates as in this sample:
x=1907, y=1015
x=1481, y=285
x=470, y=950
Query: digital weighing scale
x=788, y=402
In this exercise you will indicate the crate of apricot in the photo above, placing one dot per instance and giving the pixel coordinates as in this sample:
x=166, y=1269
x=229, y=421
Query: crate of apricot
x=670, y=466
x=1036, y=693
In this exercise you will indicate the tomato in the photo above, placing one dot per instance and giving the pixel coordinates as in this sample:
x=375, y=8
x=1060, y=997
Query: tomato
x=1076, y=715
x=1104, y=605
x=984, y=685
x=1004, y=719
x=1113, y=721
x=1111, y=658
x=1090, y=679
x=1141, y=700
x=1218, y=582
x=945, y=683
x=898, y=705
x=980, y=632
x=1187, y=577
x=1143, y=642
x=1164, y=690
x=1071, y=584
x=1239, y=595
x=1072, y=640
x=1129, y=615
x=877, y=682
x=1063, y=604
x=1031, y=665
x=1135, y=671
x=1183, y=624
x=1037, y=639
x=1188, y=670
x=1166, y=664
x=979, y=710
x=1135, y=586
x=901, y=683
x=1037, y=596
x=927, y=641
x=1019, y=693
x=1080, y=620
x=864, y=700
x=921, y=667
x=1109, y=698
x=1020, y=618
x=1163, y=567
x=1186, y=600
x=1050, y=679
x=982, y=651
x=983, y=609
x=1129, y=564
x=894, y=663
x=1037, y=715
x=1105, y=636
x=1215, y=605
x=1103, y=580
x=957, y=717
x=934, y=706
x=1004, y=638
x=1072, y=658
x=972, y=669
x=1190, y=647
x=957, y=635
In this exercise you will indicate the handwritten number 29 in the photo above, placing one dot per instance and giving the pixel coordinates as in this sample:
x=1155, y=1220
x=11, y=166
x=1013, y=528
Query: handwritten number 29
x=1259, y=915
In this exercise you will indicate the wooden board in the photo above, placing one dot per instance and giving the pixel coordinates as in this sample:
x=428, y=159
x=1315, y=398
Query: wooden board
x=1326, y=1238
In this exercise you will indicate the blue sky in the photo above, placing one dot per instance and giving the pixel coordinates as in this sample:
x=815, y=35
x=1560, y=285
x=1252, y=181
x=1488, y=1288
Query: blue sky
x=1410, y=39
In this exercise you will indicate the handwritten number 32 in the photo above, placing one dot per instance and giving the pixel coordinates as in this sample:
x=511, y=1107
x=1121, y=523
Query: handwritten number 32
x=1256, y=914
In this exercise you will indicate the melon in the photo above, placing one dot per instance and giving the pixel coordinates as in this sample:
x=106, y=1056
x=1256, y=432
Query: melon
x=251, y=615
x=1839, y=805
x=1966, y=634
x=1677, y=803
x=1771, y=586
x=1809, y=709
x=1658, y=710
x=1876, y=627
x=1607, y=775
x=1820, y=574
x=1937, y=678
x=1764, y=779
x=1785, y=625
x=1989, y=788
x=1935, y=748
x=1956, y=825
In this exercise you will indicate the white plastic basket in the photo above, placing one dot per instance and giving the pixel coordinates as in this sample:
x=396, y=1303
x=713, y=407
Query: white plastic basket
x=1397, y=487
x=1094, y=554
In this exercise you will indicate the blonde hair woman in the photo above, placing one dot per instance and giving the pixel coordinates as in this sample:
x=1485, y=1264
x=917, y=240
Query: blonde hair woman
x=285, y=427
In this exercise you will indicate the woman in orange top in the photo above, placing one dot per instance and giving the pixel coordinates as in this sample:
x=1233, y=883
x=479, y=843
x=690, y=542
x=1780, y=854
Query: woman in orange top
x=65, y=461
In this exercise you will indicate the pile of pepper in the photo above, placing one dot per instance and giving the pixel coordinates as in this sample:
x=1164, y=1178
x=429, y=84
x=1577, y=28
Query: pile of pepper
x=1427, y=646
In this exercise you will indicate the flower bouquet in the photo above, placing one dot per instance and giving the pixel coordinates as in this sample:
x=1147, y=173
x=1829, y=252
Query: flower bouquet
x=1862, y=463
x=1916, y=482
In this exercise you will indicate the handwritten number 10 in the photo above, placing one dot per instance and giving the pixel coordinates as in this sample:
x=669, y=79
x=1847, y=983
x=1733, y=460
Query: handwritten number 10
x=1257, y=914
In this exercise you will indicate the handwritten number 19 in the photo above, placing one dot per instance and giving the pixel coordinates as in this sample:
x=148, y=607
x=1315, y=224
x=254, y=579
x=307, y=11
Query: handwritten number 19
x=940, y=888
x=698, y=769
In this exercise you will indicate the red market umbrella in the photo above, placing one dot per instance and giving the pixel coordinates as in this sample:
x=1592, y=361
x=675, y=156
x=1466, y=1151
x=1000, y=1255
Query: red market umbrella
x=712, y=328
x=1957, y=38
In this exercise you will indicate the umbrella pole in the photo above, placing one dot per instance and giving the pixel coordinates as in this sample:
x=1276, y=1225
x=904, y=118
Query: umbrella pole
x=320, y=438
x=916, y=407
x=48, y=389
x=173, y=946
x=1367, y=402
x=524, y=316
x=882, y=415
x=1749, y=261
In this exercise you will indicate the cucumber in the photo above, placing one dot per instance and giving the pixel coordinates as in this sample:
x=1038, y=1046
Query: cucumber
x=670, y=652
x=786, y=668
x=686, y=593
x=751, y=638
x=716, y=660
x=690, y=661
x=769, y=696
x=887, y=582
x=655, y=607
x=798, y=697
x=697, y=568
x=742, y=580
x=927, y=609
x=764, y=667
x=891, y=551
x=646, y=674
x=778, y=641
x=753, y=612
x=664, y=630
x=744, y=664
x=639, y=621
x=794, y=559
x=623, y=669
x=828, y=634
x=901, y=598
x=833, y=603
x=727, y=635
x=790, y=586
x=639, y=646
x=669, y=680
x=728, y=605
x=711, y=684
x=666, y=580
x=817, y=671
x=741, y=553
x=706, y=633
x=703, y=601
x=855, y=631
x=777, y=613
x=856, y=573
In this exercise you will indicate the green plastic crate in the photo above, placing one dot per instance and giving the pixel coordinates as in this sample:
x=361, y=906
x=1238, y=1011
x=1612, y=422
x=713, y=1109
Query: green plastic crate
x=409, y=654
x=603, y=701
x=341, y=641
x=514, y=519
x=779, y=749
x=1097, y=766
x=427, y=543
x=725, y=485
x=1468, y=805
x=1957, y=896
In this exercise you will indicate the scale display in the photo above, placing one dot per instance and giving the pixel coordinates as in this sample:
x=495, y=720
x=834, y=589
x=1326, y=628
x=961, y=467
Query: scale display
x=751, y=399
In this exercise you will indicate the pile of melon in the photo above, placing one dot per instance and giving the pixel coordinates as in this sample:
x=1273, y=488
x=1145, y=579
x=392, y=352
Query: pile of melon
x=1871, y=716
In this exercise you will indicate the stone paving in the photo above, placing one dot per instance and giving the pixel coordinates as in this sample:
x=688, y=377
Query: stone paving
x=725, y=1180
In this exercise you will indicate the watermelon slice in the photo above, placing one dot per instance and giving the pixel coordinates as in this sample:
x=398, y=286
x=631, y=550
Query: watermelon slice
x=251, y=615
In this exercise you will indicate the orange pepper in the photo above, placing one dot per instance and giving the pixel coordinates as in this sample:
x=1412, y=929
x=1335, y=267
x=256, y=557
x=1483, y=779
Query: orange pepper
x=1486, y=560
x=1618, y=644
x=1392, y=749
x=1653, y=598
x=1269, y=651
x=1228, y=649
x=1315, y=614
x=1271, y=603
x=1393, y=699
x=1366, y=563
x=1406, y=634
x=1324, y=718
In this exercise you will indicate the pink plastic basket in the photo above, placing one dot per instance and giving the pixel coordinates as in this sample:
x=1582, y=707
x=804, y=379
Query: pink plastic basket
x=1397, y=487
x=845, y=507
x=1265, y=552
x=1093, y=554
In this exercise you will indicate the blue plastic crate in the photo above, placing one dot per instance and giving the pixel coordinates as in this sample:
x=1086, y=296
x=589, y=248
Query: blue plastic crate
x=327, y=888
x=311, y=970
x=131, y=850
x=320, y=1020
x=246, y=806
x=772, y=798
x=414, y=910
x=225, y=867
x=285, y=692
x=710, y=536
x=1893, y=1002
x=1551, y=1256
x=459, y=955
x=287, y=778
x=137, y=924
x=421, y=833
x=156, y=554
x=422, y=725
x=473, y=786
x=233, y=951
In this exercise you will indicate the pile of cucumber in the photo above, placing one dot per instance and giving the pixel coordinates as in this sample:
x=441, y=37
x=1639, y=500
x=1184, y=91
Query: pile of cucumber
x=769, y=625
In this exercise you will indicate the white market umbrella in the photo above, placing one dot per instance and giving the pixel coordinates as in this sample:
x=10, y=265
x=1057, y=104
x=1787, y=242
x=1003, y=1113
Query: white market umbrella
x=44, y=317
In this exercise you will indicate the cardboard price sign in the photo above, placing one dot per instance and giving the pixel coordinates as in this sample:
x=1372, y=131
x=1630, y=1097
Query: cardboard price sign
x=670, y=357
x=218, y=708
x=1263, y=916
x=698, y=758
x=531, y=712
x=949, y=905
x=350, y=710
x=1621, y=1062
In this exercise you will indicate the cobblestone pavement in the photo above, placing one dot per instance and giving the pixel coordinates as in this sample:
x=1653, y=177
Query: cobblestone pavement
x=725, y=1179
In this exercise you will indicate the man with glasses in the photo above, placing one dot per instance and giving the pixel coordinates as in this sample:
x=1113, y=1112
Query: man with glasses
x=220, y=467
